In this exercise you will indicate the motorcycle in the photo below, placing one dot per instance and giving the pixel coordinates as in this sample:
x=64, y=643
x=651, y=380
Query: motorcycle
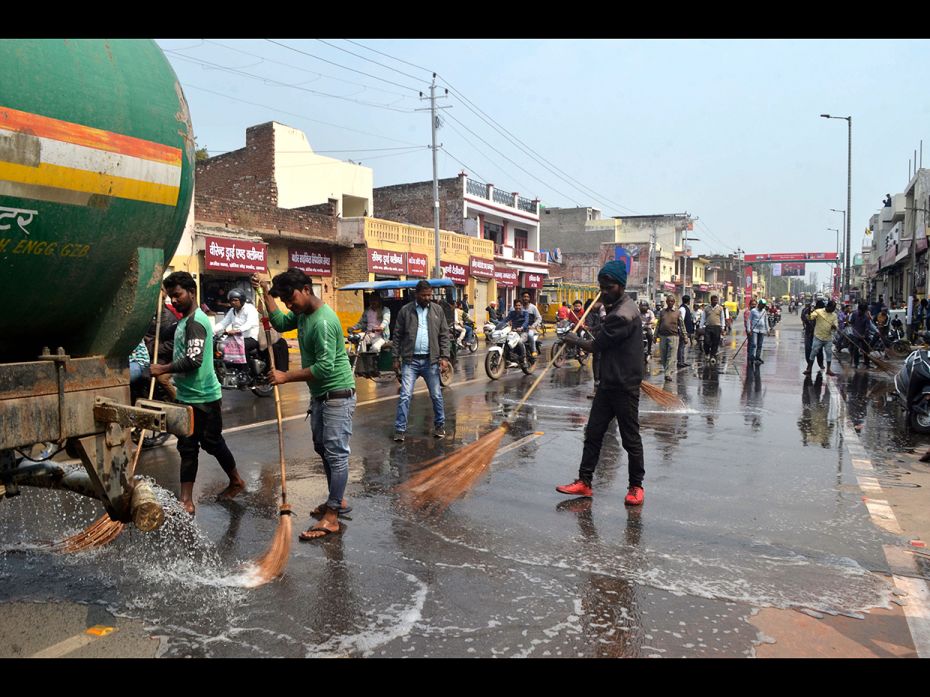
x=471, y=339
x=915, y=373
x=507, y=347
x=897, y=338
x=253, y=374
x=571, y=351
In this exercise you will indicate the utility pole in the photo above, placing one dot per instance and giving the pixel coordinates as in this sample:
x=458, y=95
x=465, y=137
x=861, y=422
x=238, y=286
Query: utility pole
x=434, y=121
x=650, y=291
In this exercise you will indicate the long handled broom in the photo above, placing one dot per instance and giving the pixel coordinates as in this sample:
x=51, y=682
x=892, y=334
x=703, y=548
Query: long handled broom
x=272, y=563
x=445, y=479
x=860, y=343
x=104, y=530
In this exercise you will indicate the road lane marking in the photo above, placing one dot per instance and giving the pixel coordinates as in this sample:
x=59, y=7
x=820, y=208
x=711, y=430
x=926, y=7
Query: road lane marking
x=72, y=644
x=917, y=608
x=272, y=422
x=517, y=443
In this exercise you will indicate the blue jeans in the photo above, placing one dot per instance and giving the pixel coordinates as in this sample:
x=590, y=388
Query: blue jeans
x=755, y=343
x=331, y=425
x=409, y=373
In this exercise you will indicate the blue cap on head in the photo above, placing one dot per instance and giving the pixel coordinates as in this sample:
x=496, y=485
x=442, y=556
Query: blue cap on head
x=615, y=270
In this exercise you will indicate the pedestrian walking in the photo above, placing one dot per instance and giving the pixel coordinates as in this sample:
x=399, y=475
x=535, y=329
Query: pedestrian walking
x=860, y=324
x=759, y=328
x=825, y=324
x=687, y=320
x=671, y=330
x=619, y=343
x=325, y=367
x=808, y=324
x=712, y=322
x=196, y=386
x=421, y=339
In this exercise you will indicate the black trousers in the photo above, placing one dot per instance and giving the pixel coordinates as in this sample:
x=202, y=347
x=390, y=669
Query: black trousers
x=208, y=432
x=711, y=340
x=624, y=406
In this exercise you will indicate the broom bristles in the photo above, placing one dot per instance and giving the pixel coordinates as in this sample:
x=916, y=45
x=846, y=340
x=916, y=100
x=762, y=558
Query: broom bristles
x=272, y=563
x=449, y=478
x=660, y=396
x=99, y=533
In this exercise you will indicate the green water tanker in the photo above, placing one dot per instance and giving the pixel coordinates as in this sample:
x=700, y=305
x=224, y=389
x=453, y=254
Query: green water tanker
x=96, y=180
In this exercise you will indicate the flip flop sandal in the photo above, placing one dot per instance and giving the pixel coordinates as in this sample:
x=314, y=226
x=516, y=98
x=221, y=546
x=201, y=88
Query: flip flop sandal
x=306, y=537
x=318, y=511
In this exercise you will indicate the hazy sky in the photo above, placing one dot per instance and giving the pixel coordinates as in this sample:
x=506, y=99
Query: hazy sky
x=726, y=130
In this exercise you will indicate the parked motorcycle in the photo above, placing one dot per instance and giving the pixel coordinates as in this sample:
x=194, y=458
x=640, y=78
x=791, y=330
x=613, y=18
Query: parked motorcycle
x=912, y=385
x=507, y=347
x=252, y=375
x=570, y=352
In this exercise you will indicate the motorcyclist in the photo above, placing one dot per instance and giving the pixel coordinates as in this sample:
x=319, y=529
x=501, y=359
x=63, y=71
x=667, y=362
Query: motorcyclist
x=376, y=323
x=519, y=321
x=535, y=321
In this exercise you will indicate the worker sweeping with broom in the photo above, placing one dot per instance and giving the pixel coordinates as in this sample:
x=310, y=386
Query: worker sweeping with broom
x=326, y=370
x=620, y=347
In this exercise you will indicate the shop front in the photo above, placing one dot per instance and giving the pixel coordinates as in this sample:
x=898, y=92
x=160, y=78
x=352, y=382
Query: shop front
x=227, y=265
x=482, y=274
x=531, y=283
x=506, y=279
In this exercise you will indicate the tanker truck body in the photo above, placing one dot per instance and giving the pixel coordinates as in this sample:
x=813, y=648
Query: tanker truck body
x=96, y=180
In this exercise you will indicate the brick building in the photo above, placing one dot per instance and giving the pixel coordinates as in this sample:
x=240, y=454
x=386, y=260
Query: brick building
x=478, y=210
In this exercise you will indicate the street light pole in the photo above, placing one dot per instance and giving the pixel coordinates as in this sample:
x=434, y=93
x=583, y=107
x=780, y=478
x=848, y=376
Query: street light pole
x=838, y=254
x=848, y=120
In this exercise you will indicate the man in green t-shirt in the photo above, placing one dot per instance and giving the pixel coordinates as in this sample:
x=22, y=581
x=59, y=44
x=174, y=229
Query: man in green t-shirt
x=325, y=367
x=197, y=386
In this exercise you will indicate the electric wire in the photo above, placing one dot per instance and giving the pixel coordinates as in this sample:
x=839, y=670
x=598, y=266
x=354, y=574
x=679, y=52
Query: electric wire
x=270, y=81
x=344, y=67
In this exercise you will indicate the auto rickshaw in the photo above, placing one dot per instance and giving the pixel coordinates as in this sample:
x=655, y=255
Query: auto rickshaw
x=394, y=295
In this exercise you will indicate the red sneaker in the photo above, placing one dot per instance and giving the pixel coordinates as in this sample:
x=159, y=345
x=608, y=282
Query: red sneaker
x=634, y=497
x=576, y=488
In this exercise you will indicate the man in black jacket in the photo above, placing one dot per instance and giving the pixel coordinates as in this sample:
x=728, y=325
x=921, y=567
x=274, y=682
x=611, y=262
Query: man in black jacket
x=421, y=341
x=620, y=344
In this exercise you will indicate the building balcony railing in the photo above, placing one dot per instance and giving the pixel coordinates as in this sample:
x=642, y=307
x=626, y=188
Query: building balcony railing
x=508, y=252
x=489, y=192
x=379, y=231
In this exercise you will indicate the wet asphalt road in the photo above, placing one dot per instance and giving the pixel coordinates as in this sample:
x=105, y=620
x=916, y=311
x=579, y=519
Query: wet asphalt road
x=751, y=502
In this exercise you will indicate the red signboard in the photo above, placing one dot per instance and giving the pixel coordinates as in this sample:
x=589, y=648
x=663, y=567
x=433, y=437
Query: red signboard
x=312, y=262
x=417, y=264
x=384, y=261
x=747, y=286
x=668, y=285
x=506, y=278
x=482, y=268
x=243, y=256
x=456, y=272
x=532, y=280
x=797, y=256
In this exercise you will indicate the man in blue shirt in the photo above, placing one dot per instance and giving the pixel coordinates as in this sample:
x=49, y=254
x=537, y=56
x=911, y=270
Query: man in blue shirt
x=422, y=342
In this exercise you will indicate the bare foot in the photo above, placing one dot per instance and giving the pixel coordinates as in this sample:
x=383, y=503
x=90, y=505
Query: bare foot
x=236, y=487
x=188, y=505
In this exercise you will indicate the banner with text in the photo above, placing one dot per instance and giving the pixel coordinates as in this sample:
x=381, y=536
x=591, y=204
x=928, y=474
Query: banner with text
x=417, y=264
x=532, y=280
x=506, y=278
x=457, y=272
x=312, y=262
x=482, y=268
x=243, y=256
x=387, y=262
